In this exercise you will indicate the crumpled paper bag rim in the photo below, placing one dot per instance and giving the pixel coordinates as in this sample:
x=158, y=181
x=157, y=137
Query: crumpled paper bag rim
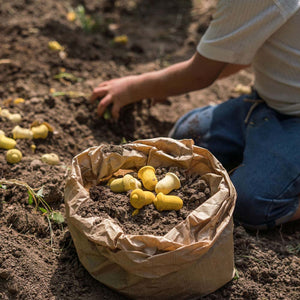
x=136, y=253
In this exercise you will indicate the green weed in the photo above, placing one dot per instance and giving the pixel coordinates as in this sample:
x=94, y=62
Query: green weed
x=107, y=114
x=71, y=94
x=37, y=199
x=123, y=141
x=236, y=274
x=87, y=22
x=67, y=76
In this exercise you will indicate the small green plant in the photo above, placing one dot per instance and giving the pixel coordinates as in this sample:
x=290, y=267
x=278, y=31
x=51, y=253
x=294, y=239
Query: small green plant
x=36, y=199
x=236, y=274
x=87, y=22
x=107, y=114
x=2, y=186
x=67, y=76
x=56, y=94
x=123, y=141
x=71, y=94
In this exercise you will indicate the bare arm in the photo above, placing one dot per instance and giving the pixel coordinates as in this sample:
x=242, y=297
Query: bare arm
x=231, y=69
x=194, y=74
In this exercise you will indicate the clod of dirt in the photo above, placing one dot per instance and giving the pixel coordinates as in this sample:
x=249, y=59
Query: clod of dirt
x=52, y=194
x=24, y=222
x=112, y=148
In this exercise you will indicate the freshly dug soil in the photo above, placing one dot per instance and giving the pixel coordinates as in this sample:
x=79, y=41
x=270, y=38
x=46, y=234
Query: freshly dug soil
x=107, y=204
x=37, y=257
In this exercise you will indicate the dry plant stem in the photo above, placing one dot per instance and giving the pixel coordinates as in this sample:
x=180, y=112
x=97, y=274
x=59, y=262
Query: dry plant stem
x=51, y=233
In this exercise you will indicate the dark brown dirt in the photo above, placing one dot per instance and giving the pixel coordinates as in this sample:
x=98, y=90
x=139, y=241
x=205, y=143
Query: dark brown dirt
x=37, y=258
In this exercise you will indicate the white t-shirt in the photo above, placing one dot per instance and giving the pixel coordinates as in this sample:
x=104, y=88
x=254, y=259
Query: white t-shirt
x=265, y=33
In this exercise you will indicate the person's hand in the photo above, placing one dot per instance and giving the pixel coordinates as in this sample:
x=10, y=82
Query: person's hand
x=117, y=92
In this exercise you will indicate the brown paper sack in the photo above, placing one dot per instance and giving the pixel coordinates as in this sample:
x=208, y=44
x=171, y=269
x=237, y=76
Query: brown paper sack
x=193, y=259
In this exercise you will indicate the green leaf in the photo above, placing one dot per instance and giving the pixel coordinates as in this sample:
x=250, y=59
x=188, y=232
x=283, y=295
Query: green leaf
x=80, y=10
x=67, y=76
x=2, y=186
x=43, y=210
x=55, y=94
x=57, y=217
x=40, y=192
x=86, y=21
x=123, y=141
x=236, y=274
x=30, y=198
x=107, y=114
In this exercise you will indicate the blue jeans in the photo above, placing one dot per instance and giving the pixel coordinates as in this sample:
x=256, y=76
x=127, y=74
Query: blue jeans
x=263, y=148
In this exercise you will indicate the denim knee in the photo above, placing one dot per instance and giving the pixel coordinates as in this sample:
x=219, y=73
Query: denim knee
x=257, y=209
x=219, y=128
x=194, y=125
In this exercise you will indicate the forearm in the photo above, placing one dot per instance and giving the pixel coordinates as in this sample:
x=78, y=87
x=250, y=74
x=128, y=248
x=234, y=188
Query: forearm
x=194, y=74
